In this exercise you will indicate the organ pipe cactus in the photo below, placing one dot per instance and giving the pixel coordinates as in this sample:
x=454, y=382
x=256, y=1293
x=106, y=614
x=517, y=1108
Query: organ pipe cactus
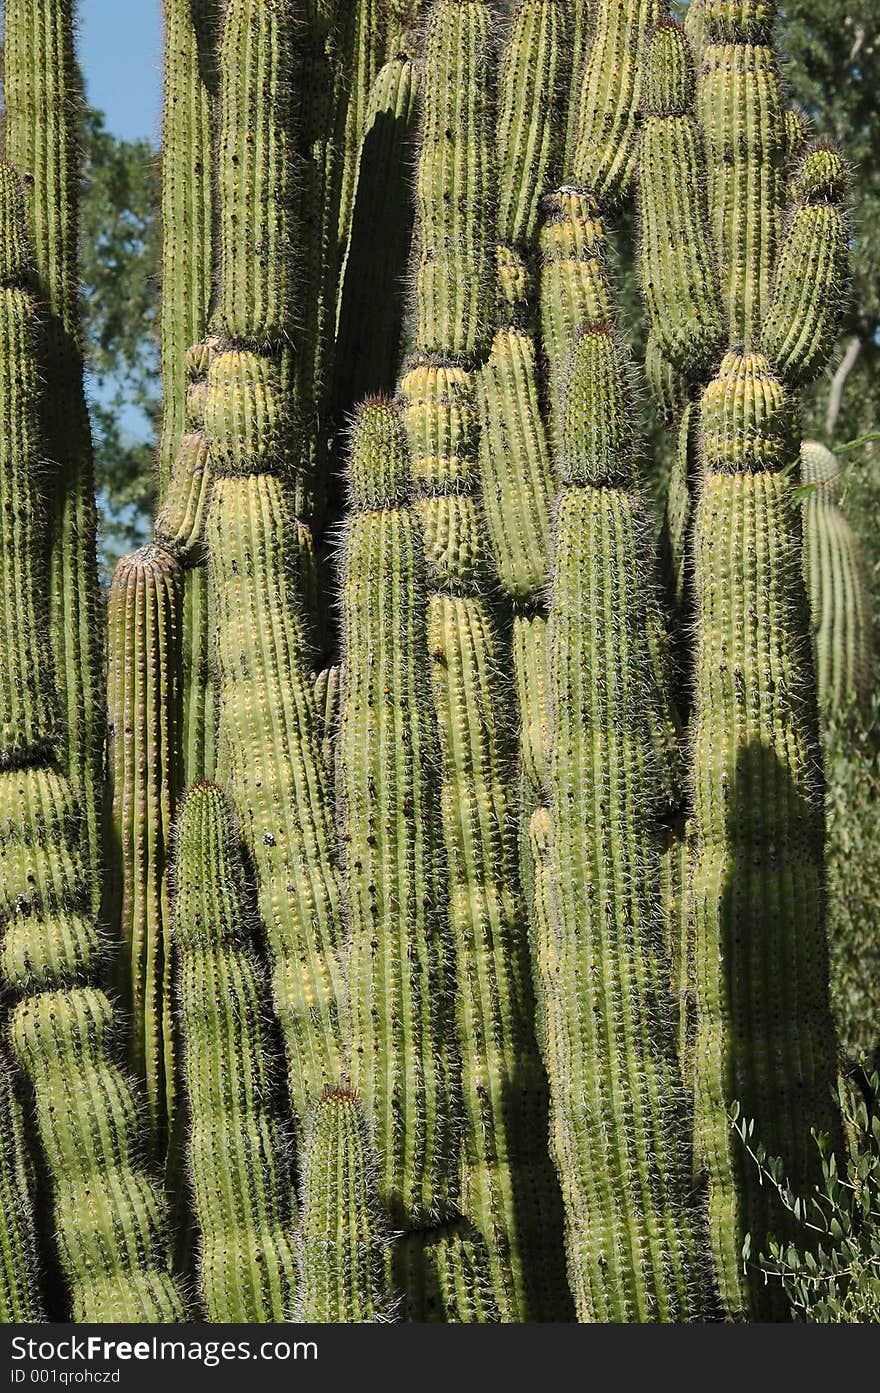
x=499, y=1051
x=370, y=693
x=757, y=803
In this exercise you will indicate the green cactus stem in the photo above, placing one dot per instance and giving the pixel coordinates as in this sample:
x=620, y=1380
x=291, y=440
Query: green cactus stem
x=323, y=78
x=180, y=530
x=42, y=105
x=574, y=286
x=275, y=770
x=187, y=204
x=405, y=1063
x=237, y=1151
x=740, y=107
x=510, y=1194
x=20, y=1299
x=446, y=1277
x=455, y=276
x=620, y=1115
x=812, y=270
x=256, y=171
x=259, y=557
x=676, y=258
x=343, y=1242
x=369, y=20
x=328, y=694
x=607, y=115
x=534, y=71
x=836, y=577
x=579, y=19
x=109, y=1221
x=530, y=673
x=668, y=388
x=515, y=466
x=145, y=625
x=764, y=1038
x=372, y=295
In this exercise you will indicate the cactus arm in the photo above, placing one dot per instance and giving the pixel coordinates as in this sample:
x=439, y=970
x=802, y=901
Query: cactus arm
x=580, y=24
x=533, y=72
x=740, y=108
x=255, y=172
x=803, y=319
x=180, y=530
x=42, y=100
x=237, y=1150
x=574, y=286
x=758, y=823
x=109, y=1221
x=676, y=258
x=371, y=307
x=446, y=1277
x=405, y=1063
x=620, y=1115
x=187, y=205
x=607, y=129
x=20, y=1298
x=455, y=278
x=275, y=769
x=668, y=388
x=515, y=466
x=835, y=574
x=144, y=707
x=370, y=21
x=268, y=730
x=499, y=1052
x=343, y=1243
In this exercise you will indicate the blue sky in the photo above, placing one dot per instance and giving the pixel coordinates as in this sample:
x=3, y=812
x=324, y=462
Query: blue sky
x=120, y=51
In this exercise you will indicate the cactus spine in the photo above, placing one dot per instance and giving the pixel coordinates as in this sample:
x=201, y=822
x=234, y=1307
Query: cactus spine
x=42, y=100
x=20, y=1299
x=342, y=1237
x=108, y=1217
x=238, y=1162
x=405, y=1063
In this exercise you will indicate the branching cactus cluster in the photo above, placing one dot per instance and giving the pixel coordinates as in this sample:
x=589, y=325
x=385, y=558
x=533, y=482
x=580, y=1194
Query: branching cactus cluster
x=446, y=945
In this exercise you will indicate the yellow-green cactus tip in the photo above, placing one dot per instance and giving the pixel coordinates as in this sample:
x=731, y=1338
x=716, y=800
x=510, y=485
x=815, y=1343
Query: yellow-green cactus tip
x=823, y=176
